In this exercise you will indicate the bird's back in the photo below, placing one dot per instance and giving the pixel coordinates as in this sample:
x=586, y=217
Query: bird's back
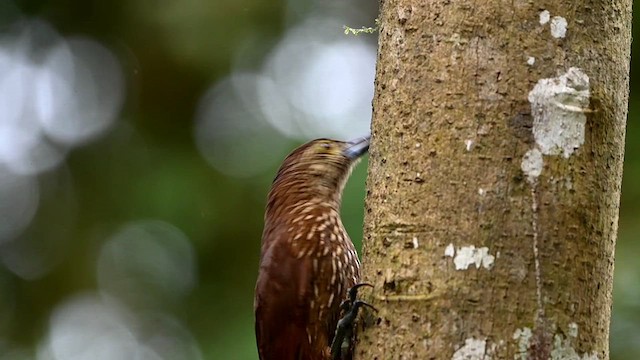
x=303, y=278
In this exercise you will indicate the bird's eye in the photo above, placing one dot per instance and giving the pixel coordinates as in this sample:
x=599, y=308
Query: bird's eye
x=326, y=146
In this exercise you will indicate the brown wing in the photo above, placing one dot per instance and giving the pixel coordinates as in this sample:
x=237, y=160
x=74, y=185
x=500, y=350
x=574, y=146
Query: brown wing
x=280, y=308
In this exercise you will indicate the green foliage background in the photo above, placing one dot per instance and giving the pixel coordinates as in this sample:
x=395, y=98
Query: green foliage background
x=148, y=167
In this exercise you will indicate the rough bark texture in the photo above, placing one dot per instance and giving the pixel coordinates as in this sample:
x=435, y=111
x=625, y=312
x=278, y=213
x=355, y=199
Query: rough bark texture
x=493, y=194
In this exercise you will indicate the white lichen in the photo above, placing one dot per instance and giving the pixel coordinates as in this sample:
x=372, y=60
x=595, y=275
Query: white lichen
x=573, y=329
x=473, y=349
x=469, y=255
x=568, y=183
x=468, y=144
x=531, y=60
x=558, y=106
x=544, y=17
x=558, y=27
x=563, y=350
x=523, y=336
x=532, y=164
x=482, y=192
x=450, y=251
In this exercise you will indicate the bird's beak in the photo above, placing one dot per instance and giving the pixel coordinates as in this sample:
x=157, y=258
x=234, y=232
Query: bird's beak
x=357, y=147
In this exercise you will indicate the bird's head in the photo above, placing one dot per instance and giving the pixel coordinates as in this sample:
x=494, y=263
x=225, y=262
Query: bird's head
x=318, y=169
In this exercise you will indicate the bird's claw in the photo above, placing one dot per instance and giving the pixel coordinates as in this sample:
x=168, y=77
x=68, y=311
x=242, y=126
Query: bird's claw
x=344, y=329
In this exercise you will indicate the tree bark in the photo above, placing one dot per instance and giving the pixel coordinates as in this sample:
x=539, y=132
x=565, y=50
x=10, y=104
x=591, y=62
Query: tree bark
x=494, y=178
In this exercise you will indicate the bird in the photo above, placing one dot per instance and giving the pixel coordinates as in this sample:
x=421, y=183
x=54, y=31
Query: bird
x=308, y=263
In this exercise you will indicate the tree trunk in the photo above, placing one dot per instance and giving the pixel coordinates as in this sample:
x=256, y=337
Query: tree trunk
x=494, y=178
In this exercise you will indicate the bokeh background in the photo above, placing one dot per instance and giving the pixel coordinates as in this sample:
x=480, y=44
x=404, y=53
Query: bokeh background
x=138, y=140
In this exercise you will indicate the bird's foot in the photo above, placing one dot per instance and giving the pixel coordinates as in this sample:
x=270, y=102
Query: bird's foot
x=344, y=329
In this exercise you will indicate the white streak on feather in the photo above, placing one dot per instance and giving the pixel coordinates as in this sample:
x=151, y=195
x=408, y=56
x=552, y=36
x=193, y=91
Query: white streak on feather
x=333, y=271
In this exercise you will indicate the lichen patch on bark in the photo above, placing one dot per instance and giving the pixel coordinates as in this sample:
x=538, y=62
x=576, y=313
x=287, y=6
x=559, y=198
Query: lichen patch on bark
x=466, y=256
x=473, y=349
x=558, y=106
